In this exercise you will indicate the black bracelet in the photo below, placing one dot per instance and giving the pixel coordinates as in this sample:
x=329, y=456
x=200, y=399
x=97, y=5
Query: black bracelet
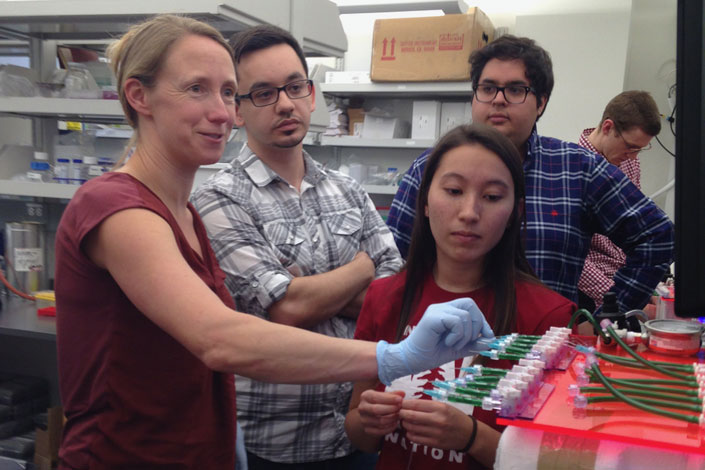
x=473, y=435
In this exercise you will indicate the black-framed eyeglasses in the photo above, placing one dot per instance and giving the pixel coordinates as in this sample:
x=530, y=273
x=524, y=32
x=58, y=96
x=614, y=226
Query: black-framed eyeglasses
x=265, y=96
x=514, y=94
x=631, y=148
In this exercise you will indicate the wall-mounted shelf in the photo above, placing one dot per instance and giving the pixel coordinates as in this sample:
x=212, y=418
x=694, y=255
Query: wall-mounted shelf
x=320, y=33
x=428, y=90
x=352, y=141
x=28, y=188
x=380, y=189
x=65, y=109
x=111, y=133
x=42, y=25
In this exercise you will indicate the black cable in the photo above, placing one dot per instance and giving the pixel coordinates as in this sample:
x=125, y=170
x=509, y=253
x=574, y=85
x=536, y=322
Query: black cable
x=671, y=120
x=664, y=147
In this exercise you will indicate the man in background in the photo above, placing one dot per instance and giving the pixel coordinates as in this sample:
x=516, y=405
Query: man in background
x=299, y=244
x=630, y=120
x=571, y=193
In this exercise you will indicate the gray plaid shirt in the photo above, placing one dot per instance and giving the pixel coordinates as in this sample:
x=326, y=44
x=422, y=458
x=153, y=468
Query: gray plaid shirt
x=262, y=230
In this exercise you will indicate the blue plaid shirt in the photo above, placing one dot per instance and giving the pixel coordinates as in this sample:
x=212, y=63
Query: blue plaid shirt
x=571, y=194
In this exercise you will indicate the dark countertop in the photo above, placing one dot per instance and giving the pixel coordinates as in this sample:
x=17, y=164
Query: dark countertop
x=18, y=317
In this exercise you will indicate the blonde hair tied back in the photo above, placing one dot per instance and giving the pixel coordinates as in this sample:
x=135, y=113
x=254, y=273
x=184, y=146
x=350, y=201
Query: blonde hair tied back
x=140, y=53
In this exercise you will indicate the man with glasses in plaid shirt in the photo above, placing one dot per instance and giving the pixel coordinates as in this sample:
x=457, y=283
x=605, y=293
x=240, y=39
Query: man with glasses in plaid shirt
x=571, y=193
x=630, y=120
x=299, y=244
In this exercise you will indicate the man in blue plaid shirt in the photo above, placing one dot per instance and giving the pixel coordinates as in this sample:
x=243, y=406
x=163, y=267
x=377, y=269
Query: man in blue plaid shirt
x=299, y=244
x=571, y=193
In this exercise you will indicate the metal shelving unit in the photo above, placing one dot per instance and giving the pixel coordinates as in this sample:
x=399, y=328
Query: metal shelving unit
x=420, y=90
x=449, y=91
x=99, y=19
x=42, y=25
x=27, y=188
x=64, y=108
x=352, y=141
x=381, y=189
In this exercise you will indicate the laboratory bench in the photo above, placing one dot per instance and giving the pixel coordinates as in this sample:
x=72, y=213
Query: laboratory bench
x=28, y=343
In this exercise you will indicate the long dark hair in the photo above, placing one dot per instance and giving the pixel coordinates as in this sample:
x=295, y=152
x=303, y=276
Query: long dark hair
x=505, y=263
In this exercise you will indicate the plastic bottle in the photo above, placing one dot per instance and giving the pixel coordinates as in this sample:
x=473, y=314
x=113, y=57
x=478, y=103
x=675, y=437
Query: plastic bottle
x=76, y=172
x=40, y=170
x=91, y=168
x=391, y=177
x=106, y=163
x=61, y=171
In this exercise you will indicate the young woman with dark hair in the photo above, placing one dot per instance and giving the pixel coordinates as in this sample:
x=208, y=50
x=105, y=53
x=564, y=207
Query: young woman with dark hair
x=468, y=244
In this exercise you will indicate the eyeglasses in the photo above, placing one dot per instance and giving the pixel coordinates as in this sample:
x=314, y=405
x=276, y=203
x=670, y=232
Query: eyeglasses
x=265, y=96
x=514, y=94
x=631, y=148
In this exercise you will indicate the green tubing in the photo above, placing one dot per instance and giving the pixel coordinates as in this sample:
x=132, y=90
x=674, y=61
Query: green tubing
x=513, y=350
x=472, y=391
x=637, y=403
x=525, y=341
x=486, y=380
x=576, y=315
x=669, y=365
x=639, y=365
x=510, y=357
x=678, y=383
x=487, y=371
x=462, y=399
x=622, y=362
x=648, y=401
x=591, y=319
x=482, y=386
x=645, y=393
x=636, y=356
x=693, y=391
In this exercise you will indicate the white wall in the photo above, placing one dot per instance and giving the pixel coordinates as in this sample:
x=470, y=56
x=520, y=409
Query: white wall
x=589, y=52
x=358, y=28
x=596, y=55
x=651, y=66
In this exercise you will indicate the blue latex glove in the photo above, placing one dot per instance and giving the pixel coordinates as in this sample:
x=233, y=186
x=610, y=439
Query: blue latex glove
x=446, y=332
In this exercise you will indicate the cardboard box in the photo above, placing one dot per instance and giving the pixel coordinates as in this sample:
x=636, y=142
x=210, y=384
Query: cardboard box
x=43, y=463
x=425, y=120
x=356, y=116
x=433, y=48
x=47, y=441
